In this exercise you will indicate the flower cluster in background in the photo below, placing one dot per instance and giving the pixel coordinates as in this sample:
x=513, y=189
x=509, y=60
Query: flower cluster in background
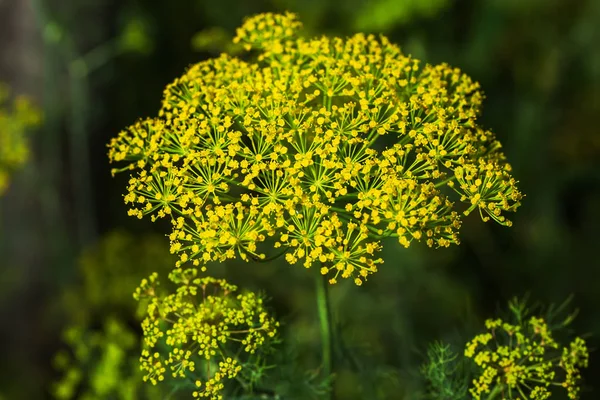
x=321, y=148
x=524, y=360
x=16, y=119
x=525, y=355
x=207, y=327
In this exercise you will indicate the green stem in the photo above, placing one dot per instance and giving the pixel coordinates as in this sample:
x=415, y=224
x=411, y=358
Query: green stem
x=442, y=183
x=325, y=322
x=497, y=389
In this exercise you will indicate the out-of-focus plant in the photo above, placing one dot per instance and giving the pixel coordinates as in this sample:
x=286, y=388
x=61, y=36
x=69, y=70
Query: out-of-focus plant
x=354, y=15
x=523, y=356
x=109, y=272
x=77, y=62
x=209, y=328
x=215, y=40
x=381, y=15
x=16, y=119
x=103, y=347
x=103, y=364
x=135, y=37
x=292, y=152
x=361, y=15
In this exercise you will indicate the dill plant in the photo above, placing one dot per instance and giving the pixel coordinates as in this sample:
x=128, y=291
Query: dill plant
x=521, y=357
x=313, y=149
x=101, y=356
x=527, y=354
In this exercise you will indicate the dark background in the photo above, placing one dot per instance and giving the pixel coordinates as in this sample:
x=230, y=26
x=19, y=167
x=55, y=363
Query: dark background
x=96, y=66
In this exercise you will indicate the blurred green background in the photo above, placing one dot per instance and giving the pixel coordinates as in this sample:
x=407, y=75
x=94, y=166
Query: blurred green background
x=96, y=66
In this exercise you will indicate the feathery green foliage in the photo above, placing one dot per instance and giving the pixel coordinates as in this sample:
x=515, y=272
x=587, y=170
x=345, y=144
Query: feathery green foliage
x=445, y=373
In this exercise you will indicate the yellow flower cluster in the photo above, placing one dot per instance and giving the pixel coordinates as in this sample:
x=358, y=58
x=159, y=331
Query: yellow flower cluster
x=524, y=361
x=206, y=326
x=14, y=123
x=322, y=147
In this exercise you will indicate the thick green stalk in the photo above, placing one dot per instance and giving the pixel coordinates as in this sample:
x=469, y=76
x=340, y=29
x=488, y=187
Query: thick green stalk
x=325, y=322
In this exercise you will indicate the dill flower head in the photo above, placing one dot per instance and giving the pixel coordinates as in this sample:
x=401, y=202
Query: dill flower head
x=321, y=147
x=15, y=120
x=524, y=360
x=207, y=327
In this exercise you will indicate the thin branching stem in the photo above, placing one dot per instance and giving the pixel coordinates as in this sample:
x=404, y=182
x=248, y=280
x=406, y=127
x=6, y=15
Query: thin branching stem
x=325, y=324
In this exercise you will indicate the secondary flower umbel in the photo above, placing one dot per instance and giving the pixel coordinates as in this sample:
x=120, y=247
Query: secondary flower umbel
x=321, y=147
x=207, y=327
x=524, y=361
